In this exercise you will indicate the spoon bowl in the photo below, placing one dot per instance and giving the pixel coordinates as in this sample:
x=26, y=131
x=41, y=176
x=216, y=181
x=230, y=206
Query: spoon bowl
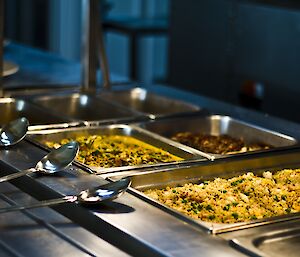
x=57, y=160
x=103, y=193
x=13, y=132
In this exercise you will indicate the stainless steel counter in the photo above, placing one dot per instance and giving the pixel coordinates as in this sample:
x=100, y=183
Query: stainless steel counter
x=127, y=225
x=44, y=232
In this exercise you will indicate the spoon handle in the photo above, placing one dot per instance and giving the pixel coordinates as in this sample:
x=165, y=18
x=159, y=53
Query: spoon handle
x=66, y=199
x=16, y=175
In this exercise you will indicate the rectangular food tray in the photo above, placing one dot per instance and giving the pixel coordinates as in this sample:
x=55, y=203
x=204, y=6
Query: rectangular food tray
x=56, y=135
x=148, y=103
x=217, y=125
x=276, y=241
x=224, y=168
x=13, y=108
x=84, y=107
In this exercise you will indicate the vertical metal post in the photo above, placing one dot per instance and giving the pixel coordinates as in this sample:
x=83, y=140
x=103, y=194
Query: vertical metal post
x=1, y=45
x=89, y=40
x=102, y=55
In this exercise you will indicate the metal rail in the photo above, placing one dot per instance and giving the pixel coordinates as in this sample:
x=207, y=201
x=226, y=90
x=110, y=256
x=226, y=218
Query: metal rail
x=92, y=40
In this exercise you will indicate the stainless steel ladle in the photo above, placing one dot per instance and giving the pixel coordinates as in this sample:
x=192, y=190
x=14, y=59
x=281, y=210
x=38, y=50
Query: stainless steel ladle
x=95, y=195
x=56, y=160
x=13, y=132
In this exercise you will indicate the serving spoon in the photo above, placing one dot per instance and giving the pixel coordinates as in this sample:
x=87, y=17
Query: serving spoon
x=57, y=160
x=13, y=132
x=95, y=195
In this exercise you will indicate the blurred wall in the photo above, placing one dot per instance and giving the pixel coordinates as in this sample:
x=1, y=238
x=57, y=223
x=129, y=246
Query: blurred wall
x=27, y=21
x=222, y=45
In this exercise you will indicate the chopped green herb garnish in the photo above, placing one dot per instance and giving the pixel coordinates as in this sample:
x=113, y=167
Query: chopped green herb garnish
x=235, y=215
x=227, y=207
x=208, y=207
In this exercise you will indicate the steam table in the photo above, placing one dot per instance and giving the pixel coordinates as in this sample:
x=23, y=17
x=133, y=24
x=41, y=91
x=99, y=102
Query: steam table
x=126, y=226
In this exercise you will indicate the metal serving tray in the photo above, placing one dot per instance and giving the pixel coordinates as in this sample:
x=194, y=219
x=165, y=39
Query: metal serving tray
x=219, y=125
x=84, y=107
x=55, y=135
x=275, y=242
x=223, y=167
x=153, y=105
x=11, y=108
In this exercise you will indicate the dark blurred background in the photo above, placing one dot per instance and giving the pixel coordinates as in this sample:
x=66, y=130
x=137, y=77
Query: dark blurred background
x=245, y=52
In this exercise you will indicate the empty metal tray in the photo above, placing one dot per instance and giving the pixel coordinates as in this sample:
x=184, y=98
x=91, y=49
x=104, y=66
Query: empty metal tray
x=224, y=168
x=56, y=135
x=83, y=107
x=151, y=104
x=11, y=109
x=272, y=242
x=219, y=125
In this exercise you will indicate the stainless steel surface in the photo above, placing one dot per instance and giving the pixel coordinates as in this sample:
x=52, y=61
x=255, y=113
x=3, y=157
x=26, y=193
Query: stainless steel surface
x=45, y=232
x=97, y=195
x=56, y=160
x=12, y=109
x=56, y=135
x=88, y=44
x=148, y=103
x=279, y=243
x=13, y=132
x=219, y=125
x=83, y=107
x=224, y=168
x=280, y=239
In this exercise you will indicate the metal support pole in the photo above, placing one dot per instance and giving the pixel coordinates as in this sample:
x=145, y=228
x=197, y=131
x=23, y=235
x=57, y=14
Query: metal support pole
x=102, y=55
x=1, y=46
x=89, y=40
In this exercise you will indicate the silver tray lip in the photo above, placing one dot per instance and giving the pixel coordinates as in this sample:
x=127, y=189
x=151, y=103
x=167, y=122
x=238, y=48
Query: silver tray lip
x=213, y=228
x=204, y=115
x=194, y=108
x=194, y=155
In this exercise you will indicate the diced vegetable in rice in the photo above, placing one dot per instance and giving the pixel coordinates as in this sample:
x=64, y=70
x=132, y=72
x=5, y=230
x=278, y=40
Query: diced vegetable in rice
x=238, y=199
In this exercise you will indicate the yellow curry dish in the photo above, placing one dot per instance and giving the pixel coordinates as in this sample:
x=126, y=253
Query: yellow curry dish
x=116, y=151
x=239, y=199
